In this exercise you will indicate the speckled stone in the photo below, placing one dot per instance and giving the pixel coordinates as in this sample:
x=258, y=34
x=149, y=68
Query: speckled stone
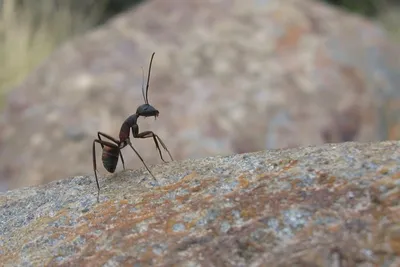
x=310, y=206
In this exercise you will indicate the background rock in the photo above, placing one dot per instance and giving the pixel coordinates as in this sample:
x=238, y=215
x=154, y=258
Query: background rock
x=311, y=206
x=228, y=77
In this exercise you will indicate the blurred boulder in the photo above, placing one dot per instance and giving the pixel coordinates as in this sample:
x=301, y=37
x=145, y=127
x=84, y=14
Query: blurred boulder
x=228, y=77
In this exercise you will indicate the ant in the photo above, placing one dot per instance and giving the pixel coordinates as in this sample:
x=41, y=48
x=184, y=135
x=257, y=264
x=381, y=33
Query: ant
x=112, y=150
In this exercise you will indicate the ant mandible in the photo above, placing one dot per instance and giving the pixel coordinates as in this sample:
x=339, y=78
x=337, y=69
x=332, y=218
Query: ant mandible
x=112, y=150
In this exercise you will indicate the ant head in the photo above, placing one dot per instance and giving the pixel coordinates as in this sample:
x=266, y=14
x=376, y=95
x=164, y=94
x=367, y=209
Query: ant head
x=147, y=110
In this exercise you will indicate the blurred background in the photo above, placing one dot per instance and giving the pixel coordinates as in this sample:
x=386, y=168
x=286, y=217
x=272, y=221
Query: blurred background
x=229, y=76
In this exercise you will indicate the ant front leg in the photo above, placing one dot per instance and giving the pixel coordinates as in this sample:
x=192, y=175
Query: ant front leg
x=102, y=143
x=148, y=134
x=140, y=157
x=99, y=134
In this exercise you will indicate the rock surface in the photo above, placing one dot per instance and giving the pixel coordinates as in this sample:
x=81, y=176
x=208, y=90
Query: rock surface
x=330, y=205
x=228, y=77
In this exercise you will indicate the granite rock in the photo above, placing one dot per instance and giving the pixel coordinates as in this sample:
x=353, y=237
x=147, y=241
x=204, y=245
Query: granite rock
x=329, y=205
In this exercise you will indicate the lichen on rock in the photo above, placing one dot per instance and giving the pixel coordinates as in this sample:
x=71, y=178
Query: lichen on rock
x=309, y=206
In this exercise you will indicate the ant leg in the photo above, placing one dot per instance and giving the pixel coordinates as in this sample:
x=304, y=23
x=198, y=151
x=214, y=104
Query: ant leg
x=95, y=168
x=122, y=159
x=102, y=143
x=108, y=137
x=130, y=144
x=148, y=134
x=99, y=134
x=164, y=146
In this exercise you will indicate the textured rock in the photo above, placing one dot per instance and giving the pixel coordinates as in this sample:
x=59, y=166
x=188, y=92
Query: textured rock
x=228, y=77
x=311, y=206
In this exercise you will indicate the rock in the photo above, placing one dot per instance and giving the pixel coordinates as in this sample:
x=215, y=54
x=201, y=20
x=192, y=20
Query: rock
x=228, y=77
x=309, y=206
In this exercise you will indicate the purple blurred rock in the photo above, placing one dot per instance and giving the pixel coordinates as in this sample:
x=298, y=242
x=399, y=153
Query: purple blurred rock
x=228, y=77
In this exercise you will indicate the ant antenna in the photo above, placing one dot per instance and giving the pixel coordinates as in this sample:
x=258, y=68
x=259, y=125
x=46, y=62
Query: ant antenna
x=144, y=98
x=148, y=79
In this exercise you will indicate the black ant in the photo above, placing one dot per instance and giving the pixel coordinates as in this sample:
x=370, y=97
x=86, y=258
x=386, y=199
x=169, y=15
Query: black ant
x=112, y=150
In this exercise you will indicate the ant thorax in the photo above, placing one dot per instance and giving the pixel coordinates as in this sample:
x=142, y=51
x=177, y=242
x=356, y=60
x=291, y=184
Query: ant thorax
x=124, y=143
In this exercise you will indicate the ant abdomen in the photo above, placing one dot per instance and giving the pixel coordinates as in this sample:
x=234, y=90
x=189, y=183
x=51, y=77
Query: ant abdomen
x=110, y=158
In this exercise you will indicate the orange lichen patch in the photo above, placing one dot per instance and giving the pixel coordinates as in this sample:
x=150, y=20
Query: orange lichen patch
x=124, y=202
x=176, y=185
x=391, y=196
x=231, y=195
x=196, y=188
x=9, y=256
x=264, y=176
x=273, y=202
x=295, y=182
x=386, y=181
x=254, y=245
x=106, y=206
x=394, y=213
x=191, y=224
x=148, y=197
x=306, y=231
x=56, y=234
x=249, y=213
x=127, y=222
x=148, y=257
x=378, y=212
x=183, y=198
x=325, y=178
x=118, y=228
x=262, y=187
x=167, y=202
x=205, y=183
x=103, y=218
x=287, y=197
x=243, y=181
x=121, y=219
x=383, y=170
x=342, y=186
x=89, y=249
x=396, y=175
x=169, y=226
x=98, y=259
x=37, y=224
x=334, y=228
x=288, y=164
